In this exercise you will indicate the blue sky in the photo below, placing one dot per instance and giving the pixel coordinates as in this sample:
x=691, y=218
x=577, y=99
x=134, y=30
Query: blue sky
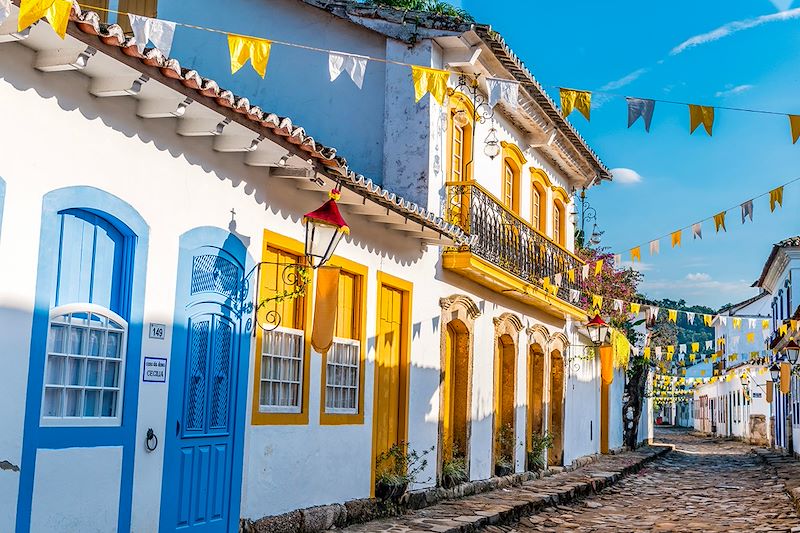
x=722, y=53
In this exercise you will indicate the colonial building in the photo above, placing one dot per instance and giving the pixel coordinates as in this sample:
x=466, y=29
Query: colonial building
x=158, y=309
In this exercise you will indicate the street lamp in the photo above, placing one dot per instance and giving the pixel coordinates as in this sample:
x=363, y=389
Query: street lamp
x=325, y=227
x=775, y=372
x=598, y=330
x=792, y=352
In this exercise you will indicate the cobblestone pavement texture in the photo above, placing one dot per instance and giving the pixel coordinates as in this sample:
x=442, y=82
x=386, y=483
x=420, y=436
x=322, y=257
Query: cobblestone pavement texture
x=507, y=505
x=704, y=485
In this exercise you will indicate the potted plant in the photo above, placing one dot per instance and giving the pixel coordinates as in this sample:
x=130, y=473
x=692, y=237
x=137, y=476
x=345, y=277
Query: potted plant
x=454, y=470
x=504, y=465
x=539, y=443
x=396, y=468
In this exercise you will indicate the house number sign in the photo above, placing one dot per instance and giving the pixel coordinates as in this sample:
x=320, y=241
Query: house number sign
x=157, y=331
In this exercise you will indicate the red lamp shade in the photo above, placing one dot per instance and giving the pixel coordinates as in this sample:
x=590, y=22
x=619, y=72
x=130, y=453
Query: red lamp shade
x=325, y=227
x=598, y=330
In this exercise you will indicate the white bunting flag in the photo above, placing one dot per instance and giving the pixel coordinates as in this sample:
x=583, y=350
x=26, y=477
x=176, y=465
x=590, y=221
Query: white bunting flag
x=502, y=91
x=652, y=312
x=697, y=231
x=655, y=247
x=5, y=10
x=585, y=272
x=618, y=305
x=640, y=107
x=617, y=260
x=747, y=210
x=557, y=279
x=158, y=32
x=355, y=66
x=709, y=345
x=723, y=320
x=751, y=323
x=690, y=317
x=682, y=348
x=658, y=351
x=574, y=295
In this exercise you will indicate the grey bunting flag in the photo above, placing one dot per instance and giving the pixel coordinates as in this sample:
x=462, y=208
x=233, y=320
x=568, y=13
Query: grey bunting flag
x=747, y=210
x=640, y=107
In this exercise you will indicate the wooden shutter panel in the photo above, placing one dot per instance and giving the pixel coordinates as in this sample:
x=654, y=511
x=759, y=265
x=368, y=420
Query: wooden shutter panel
x=147, y=8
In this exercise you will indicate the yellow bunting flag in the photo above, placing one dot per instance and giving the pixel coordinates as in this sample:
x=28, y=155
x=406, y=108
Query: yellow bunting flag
x=765, y=324
x=783, y=329
x=794, y=124
x=672, y=315
x=636, y=254
x=737, y=323
x=751, y=337
x=699, y=114
x=786, y=370
x=554, y=290
x=598, y=267
x=430, y=80
x=671, y=349
x=243, y=48
x=572, y=99
x=707, y=320
x=695, y=347
x=546, y=283
x=597, y=301
x=676, y=238
x=775, y=197
x=647, y=352
x=325, y=306
x=571, y=275
x=635, y=308
x=56, y=11
x=719, y=221
x=702, y=372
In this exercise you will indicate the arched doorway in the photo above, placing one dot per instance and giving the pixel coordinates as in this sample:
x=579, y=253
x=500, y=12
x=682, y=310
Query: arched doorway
x=536, y=413
x=555, y=457
x=458, y=318
x=507, y=328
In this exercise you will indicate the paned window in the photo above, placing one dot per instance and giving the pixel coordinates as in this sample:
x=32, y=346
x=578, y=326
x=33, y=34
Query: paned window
x=282, y=349
x=343, y=360
x=557, y=229
x=508, y=185
x=85, y=362
x=458, y=153
x=536, y=208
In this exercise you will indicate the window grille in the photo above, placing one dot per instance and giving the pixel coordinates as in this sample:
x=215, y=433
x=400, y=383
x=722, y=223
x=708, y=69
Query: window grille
x=282, y=352
x=341, y=377
x=86, y=350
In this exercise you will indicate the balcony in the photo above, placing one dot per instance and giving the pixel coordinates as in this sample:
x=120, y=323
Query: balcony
x=509, y=255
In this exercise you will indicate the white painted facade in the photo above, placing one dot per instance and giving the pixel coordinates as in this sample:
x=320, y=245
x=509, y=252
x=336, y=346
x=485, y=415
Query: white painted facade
x=60, y=136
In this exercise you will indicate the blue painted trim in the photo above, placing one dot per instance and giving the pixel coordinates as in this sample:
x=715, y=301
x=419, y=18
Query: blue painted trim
x=189, y=242
x=128, y=221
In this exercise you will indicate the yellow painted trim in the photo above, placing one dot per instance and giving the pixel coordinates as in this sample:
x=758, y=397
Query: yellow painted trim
x=540, y=175
x=495, y=278
x=295, y=247
x=384, y=279
x=326, y=419
x=512, y=150
x=561, y=192
x=474, y=183
x=460, y=101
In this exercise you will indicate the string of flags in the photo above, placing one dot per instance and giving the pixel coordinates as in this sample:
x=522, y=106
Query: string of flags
x=244, y=48
x=644, y=108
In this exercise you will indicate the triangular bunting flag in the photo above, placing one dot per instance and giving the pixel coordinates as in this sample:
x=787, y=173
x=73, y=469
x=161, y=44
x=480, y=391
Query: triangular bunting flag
x=676, y=238
x=158, y=32
x=429, y=80
x=572, y=99
x=636, y=254
x=243, y=48
x=585, y=272
x=747, y=210
x=707, y=320
x=617, y=260
x=571, y=275
x=697, y=231
x=765, y=323
x=501, y=90
x=557, y=279
x=655, y=247
x=597, y=302
x=699, y=114
x=598, y=267
x=635, y=308
x=672, y=315
x=355, y=66
x=690, y=318
x=719, y=221
x=618, y=305
x=737, y=323
x=574, y=295
x=695, y=347
x=640, y=107
x=794, y=125
x=775, y=197
x=751, y=337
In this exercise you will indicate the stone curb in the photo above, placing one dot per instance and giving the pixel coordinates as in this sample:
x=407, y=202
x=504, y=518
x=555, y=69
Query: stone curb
x=786, y=468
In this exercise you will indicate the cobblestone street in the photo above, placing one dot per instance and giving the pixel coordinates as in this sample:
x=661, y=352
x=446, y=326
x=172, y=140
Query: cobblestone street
x=704, y=485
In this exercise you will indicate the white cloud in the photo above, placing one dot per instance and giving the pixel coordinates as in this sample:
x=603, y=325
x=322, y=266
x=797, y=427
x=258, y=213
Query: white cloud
x=733, y=27
x=782, y=5
x=729, y=90
x=699, y=276
x=626, y=176
x=625, y=80
x=637, y=265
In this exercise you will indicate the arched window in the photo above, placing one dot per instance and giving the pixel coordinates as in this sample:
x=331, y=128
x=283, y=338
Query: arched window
x=459, y=141
x=559, y=230
x=88, y=329
x=513, y=161
x=540, y=183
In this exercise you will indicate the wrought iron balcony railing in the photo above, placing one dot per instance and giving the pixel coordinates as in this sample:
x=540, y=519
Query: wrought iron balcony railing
x=506, y=240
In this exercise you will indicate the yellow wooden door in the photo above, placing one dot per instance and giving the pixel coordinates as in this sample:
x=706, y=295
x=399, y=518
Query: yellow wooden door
x=389, y=372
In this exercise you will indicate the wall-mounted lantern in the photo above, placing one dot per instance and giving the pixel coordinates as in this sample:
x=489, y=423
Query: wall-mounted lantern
x=325, y=227
x=598, y=330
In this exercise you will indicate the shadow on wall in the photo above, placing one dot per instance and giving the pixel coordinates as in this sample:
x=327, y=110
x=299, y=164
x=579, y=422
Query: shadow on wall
x=279, y=197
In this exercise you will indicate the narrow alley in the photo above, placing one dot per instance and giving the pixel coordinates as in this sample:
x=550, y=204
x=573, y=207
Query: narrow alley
x=703, y=485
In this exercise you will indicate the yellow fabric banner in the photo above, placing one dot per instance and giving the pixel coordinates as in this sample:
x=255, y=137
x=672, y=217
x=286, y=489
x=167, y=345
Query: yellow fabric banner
x=751, y=337
x=571, y=275
x=783, y=329
x=58, y=16
x=325, y=305
x=786, y=372
x=707, y=319
x=737, y=323
x=702, y=372
x=598, y=267
x=597, y=302
x=635, y=308
x=636, y=254
x=672, y=315
x=56, y=11
x=699, y=114
x=671, y=349
x=775, y=197
x=572, y=99
x=719, y=221
x=646, y=352
x=243, y=48
x=676, y=238
x=430, y=80
x=607, y=364
x=765, y=324
x=695, y=347
x=794, y=124
x=546, y=283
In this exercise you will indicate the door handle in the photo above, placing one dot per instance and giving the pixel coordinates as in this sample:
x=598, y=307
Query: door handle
x=177, y=427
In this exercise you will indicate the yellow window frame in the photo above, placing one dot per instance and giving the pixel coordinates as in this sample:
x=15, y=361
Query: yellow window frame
x=333, y=419
x=515, y=160
x=460, y=102
x=295, y=247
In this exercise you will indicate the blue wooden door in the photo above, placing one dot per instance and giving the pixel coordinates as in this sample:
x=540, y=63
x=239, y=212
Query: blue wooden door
x=200, y=467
